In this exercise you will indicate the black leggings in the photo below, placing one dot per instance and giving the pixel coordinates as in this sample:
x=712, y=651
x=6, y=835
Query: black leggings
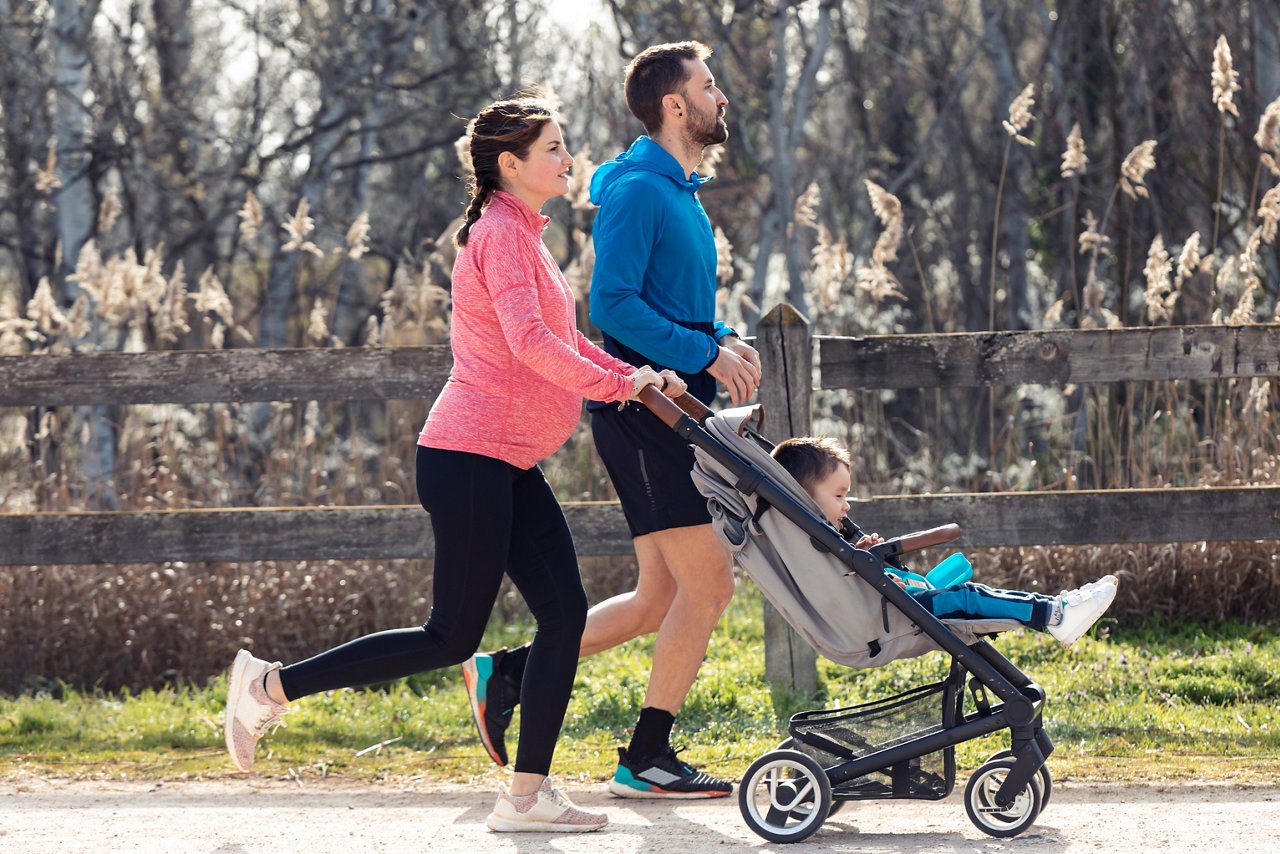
x=488, y=517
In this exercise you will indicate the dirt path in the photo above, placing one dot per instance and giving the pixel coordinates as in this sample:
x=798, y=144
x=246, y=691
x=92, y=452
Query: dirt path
x=244, y=817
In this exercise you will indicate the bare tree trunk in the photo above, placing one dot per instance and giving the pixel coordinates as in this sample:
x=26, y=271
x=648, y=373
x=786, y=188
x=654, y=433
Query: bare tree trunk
x=787, y=116
x=1266, y=49
x=783, y=168
x=770, y=227
x=1266, y=69
x=73, y=200
x=1012, y=225
x=184, y=210
x=75, y=214
x=19, y=118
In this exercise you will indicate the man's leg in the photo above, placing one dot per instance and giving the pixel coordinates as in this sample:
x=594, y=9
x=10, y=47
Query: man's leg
x=702, y=572
x=640, y=612
x=700, y=566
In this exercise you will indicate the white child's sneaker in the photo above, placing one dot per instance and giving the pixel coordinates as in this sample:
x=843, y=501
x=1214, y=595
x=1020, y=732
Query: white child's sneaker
x=251, y=714
x=1080, y=610
x=547, y=809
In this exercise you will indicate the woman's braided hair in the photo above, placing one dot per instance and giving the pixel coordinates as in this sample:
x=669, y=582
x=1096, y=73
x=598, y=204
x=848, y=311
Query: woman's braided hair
x=512, y=125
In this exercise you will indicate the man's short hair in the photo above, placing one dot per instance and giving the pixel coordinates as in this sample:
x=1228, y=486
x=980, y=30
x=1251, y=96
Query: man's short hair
x=656, y=72
x=810, y=459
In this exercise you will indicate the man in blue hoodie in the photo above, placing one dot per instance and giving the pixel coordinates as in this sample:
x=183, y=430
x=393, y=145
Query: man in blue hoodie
x=653, y=295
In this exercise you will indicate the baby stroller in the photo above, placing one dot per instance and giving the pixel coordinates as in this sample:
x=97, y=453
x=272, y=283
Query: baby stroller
x=841, y=601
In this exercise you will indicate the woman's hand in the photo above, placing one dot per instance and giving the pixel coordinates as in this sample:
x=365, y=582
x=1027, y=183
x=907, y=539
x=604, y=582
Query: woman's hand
x=642, y=377
x=672, y=385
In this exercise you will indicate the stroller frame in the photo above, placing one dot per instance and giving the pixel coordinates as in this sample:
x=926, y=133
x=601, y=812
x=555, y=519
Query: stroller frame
x=1019, y=700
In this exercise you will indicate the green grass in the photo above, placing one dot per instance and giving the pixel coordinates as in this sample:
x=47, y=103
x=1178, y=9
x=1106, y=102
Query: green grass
x=1154, y=703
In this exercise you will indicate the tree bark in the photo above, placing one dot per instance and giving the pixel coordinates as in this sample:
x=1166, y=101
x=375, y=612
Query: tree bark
x=183, y=207
x=75, y=210
x=21, y=120
x=1012, y=225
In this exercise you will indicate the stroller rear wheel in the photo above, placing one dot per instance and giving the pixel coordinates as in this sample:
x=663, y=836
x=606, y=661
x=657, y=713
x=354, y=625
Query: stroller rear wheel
x=991, y=818
x=785, y=796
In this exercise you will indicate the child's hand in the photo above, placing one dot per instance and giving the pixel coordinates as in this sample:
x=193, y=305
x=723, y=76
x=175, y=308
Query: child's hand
x=898, y=581
x=866, y=541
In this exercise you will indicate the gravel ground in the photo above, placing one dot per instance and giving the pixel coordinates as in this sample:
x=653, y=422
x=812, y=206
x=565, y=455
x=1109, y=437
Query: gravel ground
x=251, y=815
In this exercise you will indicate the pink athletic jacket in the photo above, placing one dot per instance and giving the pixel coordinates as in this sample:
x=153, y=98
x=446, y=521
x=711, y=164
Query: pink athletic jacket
x=521, y=368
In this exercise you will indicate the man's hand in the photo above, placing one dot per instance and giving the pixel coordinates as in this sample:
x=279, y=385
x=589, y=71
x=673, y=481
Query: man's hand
x=737, y=368
x=743, y=349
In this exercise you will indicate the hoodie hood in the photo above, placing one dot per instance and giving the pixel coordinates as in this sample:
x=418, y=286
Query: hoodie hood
x=647, y=156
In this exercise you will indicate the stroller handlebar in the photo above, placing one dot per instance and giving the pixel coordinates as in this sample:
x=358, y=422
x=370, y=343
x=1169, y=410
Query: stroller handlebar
x=920, y=540
x=669, y=409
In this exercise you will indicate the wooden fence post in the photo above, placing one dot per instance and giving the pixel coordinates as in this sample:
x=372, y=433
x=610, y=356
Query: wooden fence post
x=786, y=391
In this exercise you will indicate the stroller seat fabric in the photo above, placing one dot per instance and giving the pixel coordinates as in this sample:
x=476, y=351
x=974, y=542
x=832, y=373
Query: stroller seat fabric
x=835, y=610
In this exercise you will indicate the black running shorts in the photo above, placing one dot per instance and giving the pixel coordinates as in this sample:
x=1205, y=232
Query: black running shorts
x=649, y=465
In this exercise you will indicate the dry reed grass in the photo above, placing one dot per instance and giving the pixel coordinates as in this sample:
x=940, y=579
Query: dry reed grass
x=159, y=624
x=1209, y=433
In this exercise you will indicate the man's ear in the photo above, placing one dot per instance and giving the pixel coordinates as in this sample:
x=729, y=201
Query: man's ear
x=673, y=104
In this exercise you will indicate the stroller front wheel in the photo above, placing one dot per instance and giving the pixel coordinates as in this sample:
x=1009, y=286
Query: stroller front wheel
x=991, y=818
x=1046, y=779
x=785, y=796
x=837, y=804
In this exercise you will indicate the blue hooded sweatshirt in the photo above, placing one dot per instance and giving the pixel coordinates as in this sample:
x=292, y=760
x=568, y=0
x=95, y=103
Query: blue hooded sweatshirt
x=653, y=291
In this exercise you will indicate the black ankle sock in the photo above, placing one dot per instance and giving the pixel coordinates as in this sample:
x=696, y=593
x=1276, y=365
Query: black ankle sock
x=513, y=663
x=652, y=733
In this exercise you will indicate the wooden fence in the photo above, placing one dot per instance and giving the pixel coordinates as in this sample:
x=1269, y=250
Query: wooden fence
x=787, y=352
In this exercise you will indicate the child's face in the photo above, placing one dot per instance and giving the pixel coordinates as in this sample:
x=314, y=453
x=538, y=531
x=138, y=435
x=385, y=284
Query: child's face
x=832, y=494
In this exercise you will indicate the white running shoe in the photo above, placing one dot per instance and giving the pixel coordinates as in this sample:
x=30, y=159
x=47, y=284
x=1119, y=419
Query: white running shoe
x=547, y=810
x=1080, y=610
x=251, y=714
x=1104, y=580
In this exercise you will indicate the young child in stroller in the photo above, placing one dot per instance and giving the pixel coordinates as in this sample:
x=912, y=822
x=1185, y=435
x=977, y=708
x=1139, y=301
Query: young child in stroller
x=821, y=466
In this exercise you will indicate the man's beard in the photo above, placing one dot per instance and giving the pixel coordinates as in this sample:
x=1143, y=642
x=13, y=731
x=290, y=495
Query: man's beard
x=706, y=128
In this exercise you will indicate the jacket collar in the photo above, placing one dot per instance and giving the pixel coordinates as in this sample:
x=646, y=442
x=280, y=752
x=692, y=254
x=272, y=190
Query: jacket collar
x=648, y=154
x=513, y=206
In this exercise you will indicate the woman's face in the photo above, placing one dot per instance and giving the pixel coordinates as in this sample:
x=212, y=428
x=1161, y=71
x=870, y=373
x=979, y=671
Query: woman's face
x=544, y=172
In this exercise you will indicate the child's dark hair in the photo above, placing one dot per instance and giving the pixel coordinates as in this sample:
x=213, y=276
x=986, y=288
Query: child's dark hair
x=809, y=459
x=513, y=125
x=656, y=72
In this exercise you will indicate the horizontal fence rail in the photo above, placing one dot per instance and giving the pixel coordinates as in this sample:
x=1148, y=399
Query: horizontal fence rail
x=1083, y=517
x=267, y=533
x=404, y=531
x=900, y=361
x=1052, y=357
x=224, y=376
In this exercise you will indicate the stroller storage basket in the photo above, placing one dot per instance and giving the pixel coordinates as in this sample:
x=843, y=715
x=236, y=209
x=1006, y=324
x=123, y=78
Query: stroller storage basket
x=836, y=736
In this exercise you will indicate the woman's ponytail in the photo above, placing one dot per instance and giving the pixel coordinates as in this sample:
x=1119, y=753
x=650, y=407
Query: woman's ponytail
x=479, y=198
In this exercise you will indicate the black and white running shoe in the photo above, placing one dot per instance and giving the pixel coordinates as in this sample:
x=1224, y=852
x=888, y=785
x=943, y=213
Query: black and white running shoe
x=664, y=776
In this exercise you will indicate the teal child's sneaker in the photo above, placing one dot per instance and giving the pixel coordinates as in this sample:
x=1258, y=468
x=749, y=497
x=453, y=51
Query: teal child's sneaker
x=493, y=698
x=664, y=776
